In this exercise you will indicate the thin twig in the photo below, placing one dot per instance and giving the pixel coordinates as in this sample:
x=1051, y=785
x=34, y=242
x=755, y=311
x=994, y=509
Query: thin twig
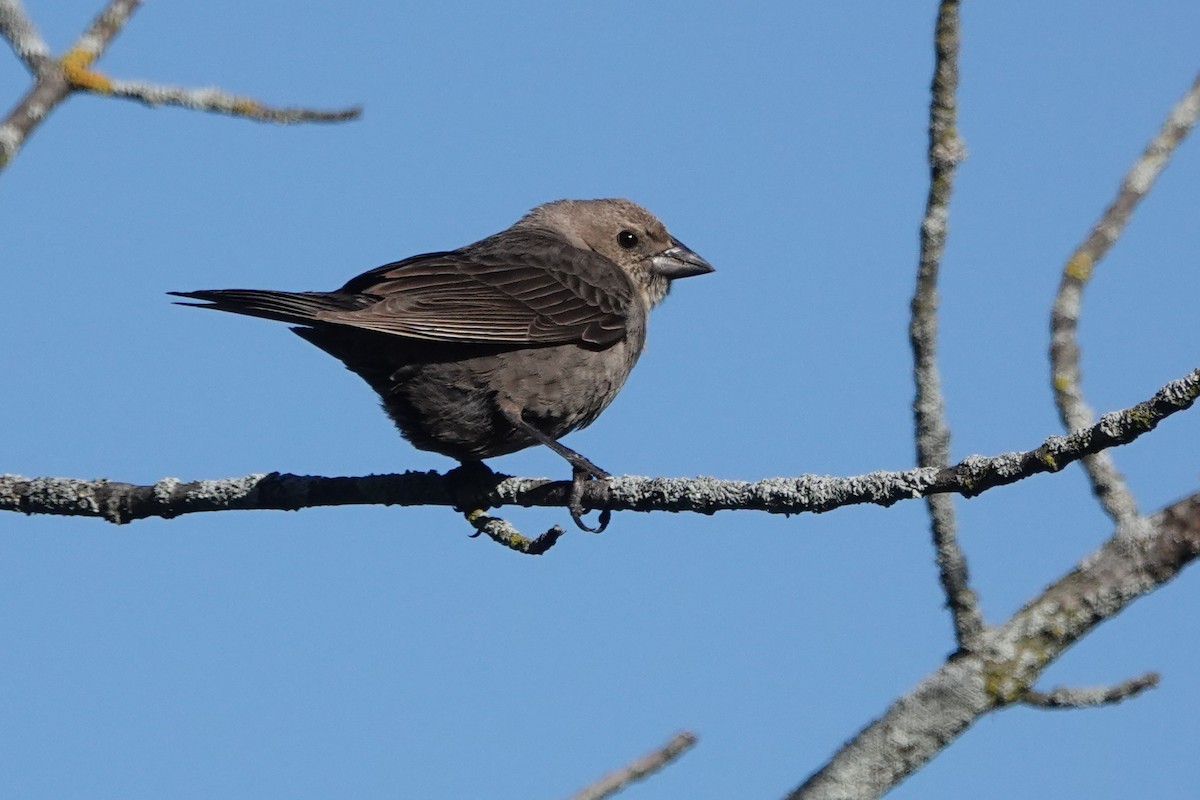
x=104, y=28
x=219, y=101
x=1107, y=482
x=503, y=532
x=18, y=29
x=932, y=430
x=122, y=502
x=1066, y=697
x=643, y=767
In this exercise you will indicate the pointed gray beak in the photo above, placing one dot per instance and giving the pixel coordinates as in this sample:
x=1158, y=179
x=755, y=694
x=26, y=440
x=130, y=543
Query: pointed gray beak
x=678, y=261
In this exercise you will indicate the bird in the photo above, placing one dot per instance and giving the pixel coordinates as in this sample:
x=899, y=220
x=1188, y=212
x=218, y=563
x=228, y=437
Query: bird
x=513, y=341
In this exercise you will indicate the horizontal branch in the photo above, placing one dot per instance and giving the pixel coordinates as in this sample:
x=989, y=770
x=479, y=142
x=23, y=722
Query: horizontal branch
x=170, y=497
x=218, y=101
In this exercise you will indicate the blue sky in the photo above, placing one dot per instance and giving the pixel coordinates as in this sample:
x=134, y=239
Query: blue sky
x=380, y=652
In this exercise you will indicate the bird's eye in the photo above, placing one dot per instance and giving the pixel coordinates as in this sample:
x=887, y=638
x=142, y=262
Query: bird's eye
x=627, y=239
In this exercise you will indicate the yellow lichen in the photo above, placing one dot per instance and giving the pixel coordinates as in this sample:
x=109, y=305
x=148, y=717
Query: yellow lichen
x=247, y=107
x=75, y=65
x=1080, y=266
x=1142, y=417
x=1008, y=681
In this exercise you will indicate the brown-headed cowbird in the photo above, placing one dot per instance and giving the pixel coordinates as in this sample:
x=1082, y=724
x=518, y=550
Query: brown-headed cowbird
x=515, y=340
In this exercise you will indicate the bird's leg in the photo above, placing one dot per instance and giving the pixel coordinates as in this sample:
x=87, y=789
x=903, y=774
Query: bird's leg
x=581, y=471
x=578, y=462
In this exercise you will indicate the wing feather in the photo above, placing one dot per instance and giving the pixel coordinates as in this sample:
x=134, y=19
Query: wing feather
x=510, y=288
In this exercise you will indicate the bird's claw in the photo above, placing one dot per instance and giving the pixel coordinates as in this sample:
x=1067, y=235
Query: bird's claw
x=575, y=499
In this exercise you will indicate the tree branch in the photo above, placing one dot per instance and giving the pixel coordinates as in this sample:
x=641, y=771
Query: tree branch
x=503, y=532
x=943, y=705
x=122, y=502
x=19, y=30
x=218, y=101
x=1141, y=555
x=643, y=767
x=1066, y=697
x=104, y=28
x=1107, y=483
x=57, y=79
x=932, y=430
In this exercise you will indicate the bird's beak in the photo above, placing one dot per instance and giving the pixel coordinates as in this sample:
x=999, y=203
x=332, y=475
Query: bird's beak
x=678, y=261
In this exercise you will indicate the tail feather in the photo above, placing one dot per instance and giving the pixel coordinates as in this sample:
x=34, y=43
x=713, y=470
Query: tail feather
x=301, y=308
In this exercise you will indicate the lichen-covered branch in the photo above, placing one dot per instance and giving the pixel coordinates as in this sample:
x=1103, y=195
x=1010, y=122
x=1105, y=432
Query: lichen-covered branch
x=929, y=413
x=643, y=767
x=56, y=79
x=1107, y=483
x=170, y=497
x=1011, y=657
x=221, y=102
x=503, y=532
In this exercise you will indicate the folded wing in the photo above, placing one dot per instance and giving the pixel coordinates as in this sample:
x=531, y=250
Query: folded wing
x=524, y=289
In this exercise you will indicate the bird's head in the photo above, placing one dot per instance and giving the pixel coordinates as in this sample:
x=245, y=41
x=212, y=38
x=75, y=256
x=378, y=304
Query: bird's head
x=626, y=234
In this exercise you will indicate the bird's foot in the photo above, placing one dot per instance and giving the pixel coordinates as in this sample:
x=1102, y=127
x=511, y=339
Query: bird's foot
x=470, y=486
x=579, y=476
x=580, y=464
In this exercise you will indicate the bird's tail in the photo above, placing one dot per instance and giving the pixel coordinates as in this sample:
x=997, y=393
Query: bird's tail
x=301, y=308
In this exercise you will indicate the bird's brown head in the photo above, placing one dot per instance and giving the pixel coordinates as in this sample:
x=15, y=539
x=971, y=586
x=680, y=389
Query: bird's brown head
x=625, y=233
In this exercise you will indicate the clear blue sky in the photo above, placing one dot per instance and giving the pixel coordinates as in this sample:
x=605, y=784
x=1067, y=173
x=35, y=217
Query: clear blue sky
x=380, y=652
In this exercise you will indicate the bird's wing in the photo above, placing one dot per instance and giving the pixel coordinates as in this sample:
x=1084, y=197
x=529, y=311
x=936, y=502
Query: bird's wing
x=506, y=289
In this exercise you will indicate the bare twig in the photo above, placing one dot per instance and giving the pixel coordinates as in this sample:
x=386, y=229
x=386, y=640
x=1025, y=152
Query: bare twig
x=502, y=532
x=1107, y=483
x=104, y=28
x=19, y=30
x=932, y=430
x=57, y=79
x=1065, y=697
x=122, y=502
x=643, y=767
x=1011, y=657
x=221, y=102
